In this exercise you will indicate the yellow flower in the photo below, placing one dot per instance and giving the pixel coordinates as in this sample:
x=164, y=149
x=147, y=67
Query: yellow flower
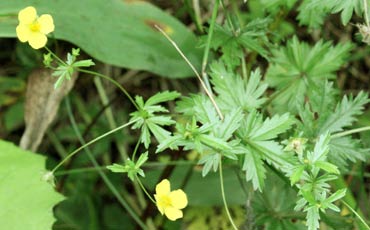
x=33, y=29
x=170, y=203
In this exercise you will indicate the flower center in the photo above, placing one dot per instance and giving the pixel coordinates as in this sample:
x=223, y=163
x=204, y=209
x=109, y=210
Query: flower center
x=35, y=26
x=166, y=201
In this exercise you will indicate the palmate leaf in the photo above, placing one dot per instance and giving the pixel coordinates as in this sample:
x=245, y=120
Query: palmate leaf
x=298, y=66
x=313, y=12
x=235, y=92
x=256, y=136
x=344, y=114
x=149, y=121
x=276, y=199
x=251, y=37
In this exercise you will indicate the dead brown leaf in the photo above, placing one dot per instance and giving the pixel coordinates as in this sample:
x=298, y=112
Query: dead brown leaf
x=41, y=106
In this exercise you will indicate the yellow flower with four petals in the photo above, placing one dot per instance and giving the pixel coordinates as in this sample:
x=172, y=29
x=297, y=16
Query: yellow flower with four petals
x=33, y=29
x=170, y=203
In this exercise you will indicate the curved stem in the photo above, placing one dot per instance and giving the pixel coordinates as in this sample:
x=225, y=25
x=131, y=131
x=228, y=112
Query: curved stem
x=55, y=56
x=144, y=189
x=112, y=81
x=224, y=197
x=209, y=93
x=136, y=148
x=348, y=132
x=106, y=180
x=358, y=216
x=92, y=142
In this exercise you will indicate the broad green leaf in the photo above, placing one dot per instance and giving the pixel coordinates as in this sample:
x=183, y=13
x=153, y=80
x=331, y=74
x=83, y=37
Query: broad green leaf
x=116, y=32
x=26, y=198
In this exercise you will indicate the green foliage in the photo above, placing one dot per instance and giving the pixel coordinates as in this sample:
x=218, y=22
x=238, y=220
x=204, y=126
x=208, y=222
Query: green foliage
x=344, y=113
x=298, y=67
x=311, y=173
x=236, y=92
x=231, y=40
x=27, y=199
x=130, y=167
x=150, y=122
x=274, y=122
x=123, y=33
x=313, y=12
x=66, y=69
x=256, y=135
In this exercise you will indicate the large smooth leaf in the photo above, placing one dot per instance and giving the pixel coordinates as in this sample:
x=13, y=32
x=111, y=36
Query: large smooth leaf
x=116, y=32
x=26, y=200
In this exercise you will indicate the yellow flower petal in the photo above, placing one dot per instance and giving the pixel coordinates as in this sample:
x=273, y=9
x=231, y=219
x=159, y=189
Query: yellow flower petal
x=23, y=32
x=159, y=204
x=173, y=213
x=46, y=23
x=27, y=15
x=163, y=188
x=179, y=199
x=37, y=40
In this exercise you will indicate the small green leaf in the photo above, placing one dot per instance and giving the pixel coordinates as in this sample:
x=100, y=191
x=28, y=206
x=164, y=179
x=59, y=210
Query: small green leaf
x=162, y=97
x=313, y=217
x=142, y=159
x=214, y=142
x=296, y=176
x=83, y=63
x=117, y=168
x=328, y=167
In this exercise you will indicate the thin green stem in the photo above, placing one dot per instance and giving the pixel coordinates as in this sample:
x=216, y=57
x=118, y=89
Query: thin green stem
x=55, y=56
x=197, y=17
x=106, y=180
x=112, y=125
x=366, y=14
x=348, y=132
x=146, y=165
x=124, y=91
x=358, y=216
x=208, y=44
x=92, y=142
x=136, y=148
x=144, y=189
x=224, y=197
